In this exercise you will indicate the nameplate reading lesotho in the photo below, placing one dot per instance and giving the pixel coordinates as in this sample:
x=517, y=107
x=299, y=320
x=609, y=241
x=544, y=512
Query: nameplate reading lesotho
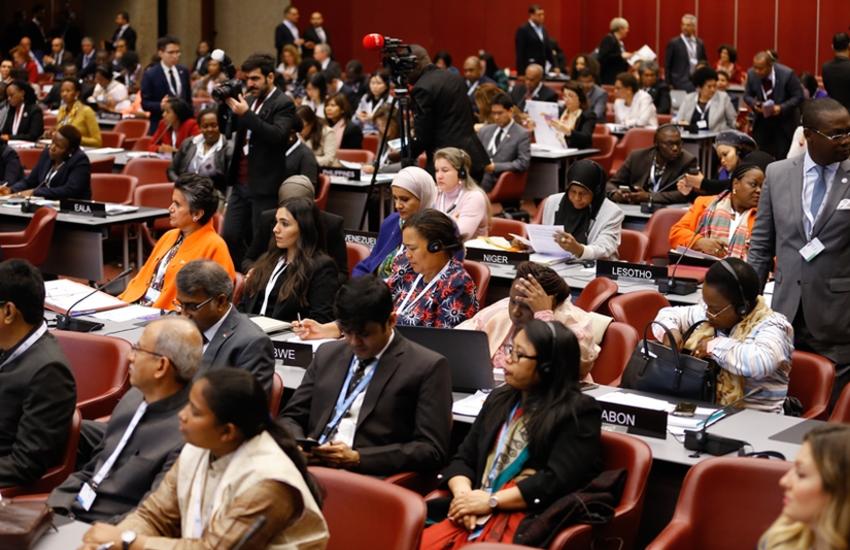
x=293, y=354
x=636, y=420
x=352, y=174
x=498, y=257
x=366, y=238
x=83, y=208
x=626, y=270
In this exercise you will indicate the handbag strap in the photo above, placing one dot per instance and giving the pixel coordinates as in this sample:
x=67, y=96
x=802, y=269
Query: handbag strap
x=667, y=335
x=691, y=330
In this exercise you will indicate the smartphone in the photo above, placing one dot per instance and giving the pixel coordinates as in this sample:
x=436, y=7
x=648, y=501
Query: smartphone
x=685, y=409
x=307, y=444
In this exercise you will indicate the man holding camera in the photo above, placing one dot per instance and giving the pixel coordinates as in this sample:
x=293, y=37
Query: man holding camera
x=262, y=121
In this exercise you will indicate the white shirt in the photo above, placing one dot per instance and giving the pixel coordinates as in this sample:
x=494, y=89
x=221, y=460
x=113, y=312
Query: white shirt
x=810, y=176
x=320, y=32
x=348, y=425
x=325, y=63
x=491, y=147
x=640, y=114
x=210, y=333
x=538, y=29
x=691, y=47
x=292, y=28
x=116, y=91
x=173, y=70
x=121, y=31
x=279, y=268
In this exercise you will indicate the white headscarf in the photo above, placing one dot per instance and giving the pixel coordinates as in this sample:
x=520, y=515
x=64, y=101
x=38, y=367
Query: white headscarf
x=419, y=183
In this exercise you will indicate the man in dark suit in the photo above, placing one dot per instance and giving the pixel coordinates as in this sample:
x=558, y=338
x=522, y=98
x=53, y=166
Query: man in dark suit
x=836, y=71
x=86, y=62
x=37, y=389
x=612, y=54
x=287, y=31
x=657, y=89
x=230, y=338
x=35, y=29
x=165, y=79
x=774, y=94
x=474, y=75
x=322, y=54
x=124, y=31
x=315, y=35
x=682, y=55
x=506, y=141
x=651, y=174
x=300, y=186
x=532, y=41
x=300, y=159
x=120, y=473
x=263, y=126
x=376, y=403
x=442, y=114
x=56, y=59
x=533, y=88
x=597, y=97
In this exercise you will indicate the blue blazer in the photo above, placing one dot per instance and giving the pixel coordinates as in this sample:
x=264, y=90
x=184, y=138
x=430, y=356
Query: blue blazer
x=72, y=181
x=389, y=239
x=155, y=86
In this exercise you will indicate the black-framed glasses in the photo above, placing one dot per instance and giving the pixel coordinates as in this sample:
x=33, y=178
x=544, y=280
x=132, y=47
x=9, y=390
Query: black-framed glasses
x=514, y=355
x=191, y=308
x=135, y=348
x=835, y=137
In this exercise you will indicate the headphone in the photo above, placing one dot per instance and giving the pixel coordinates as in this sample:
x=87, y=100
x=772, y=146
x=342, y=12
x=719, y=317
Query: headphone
x=545, y=367
x=461, y=172
x=744, y=307
x=437, y=245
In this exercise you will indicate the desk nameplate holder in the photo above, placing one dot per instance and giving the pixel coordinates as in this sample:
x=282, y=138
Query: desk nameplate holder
x=352, y=174
x=635, y=420
x=655, y=274
x=498, y=257
x=293, y=354
x=83, y=208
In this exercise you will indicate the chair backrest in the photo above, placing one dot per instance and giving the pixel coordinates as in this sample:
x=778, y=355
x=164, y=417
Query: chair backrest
x=29, y=156
x=480, y=275
x=148, y=170
x=363, y=156
x=100, y=365
x=606, y=144
x=601, y=129
x=635, y=138
x=658, y=230
x=841, y=411
x=102, y=165
x=276, y=395
x=112, y=139
x=132, y=128
x=664, y=119
x=33, y=243
x=810, y=381
x=139, y=144
x=371, y=142
x=714, y=494
x=510, y=186
x=615, y=350
x=635, y=456
x=324, y=191
x=113, y=188
x=356, y=253
x=633, y=246
x=637, y=309
x=386, y=515
x=503, y=227
x=596, y=294
x=238, y=287
x=157, y=195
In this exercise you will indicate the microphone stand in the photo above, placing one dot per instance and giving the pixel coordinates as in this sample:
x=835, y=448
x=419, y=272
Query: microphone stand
x=66, y=322
x=682, y=287
x=701, y=441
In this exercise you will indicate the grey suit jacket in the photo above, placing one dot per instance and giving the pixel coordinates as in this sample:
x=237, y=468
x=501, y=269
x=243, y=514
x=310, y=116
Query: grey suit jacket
x=241, y=343
x=721, y=113
x=149, y=454
x=822, y=285
x=512, y=155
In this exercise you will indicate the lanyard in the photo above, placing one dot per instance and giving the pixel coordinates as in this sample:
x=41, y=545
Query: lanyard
x=343, y=404
x=255, y=108
x=375, y=106
x=402, y=309
x=110, y=462
x=652, y=176
x=279, y=268
x=453, y=206
x=52, y=174
x=25, y=345
x=501, y=447
x=703, y=114
x=16, y=121
x=293, y=146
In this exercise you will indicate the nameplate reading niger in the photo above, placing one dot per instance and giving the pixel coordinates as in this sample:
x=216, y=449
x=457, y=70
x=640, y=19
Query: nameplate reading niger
x=498, y=257
x=293, y=354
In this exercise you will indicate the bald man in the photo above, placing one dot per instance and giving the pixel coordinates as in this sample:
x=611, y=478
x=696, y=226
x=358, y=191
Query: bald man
x=473, y=73
x=532, y=88
x=315, y=35
x=774, y=94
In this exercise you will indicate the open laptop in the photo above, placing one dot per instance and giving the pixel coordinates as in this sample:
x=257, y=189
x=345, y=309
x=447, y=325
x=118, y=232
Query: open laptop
x=467, y=352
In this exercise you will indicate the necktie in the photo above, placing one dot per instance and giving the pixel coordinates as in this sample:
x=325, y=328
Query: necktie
x=767, y=84
x=359, y=371
x=173, y=81
x=499, y=137
x=819, y=192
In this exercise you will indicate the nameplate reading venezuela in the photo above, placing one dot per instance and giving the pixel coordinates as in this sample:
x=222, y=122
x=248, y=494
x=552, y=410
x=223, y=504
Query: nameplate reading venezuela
x=293, y=354
x=635, y=420
x=626, y=270
x=347, y=173
x=366, y=238
x=83, y=208
x=498, y=257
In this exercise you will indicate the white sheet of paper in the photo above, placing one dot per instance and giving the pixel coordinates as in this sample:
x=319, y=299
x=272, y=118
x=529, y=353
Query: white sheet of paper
x=541, y=112
x=62, y=293
x=351, y=165
x=131, y=312
x=542, y=239
x=471, y=404
x=643, y=54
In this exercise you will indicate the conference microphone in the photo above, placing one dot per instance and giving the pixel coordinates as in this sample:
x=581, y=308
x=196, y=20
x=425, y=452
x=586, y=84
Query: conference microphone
x=66, y=322
x=375, y=41
x=258, y=524
x=649, y=208
x=682, y=287
x=703, y=442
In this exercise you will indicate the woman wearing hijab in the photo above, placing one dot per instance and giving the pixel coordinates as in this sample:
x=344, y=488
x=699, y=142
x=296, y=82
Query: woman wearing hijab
x=413, y=190
x=732, y=147
x=592, y=223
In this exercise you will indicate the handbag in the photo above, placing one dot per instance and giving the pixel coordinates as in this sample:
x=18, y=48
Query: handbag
x=22, y=524
x=656, y=368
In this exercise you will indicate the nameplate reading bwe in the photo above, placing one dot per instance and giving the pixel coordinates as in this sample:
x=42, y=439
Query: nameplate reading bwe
x=83, y=208
x=636, y=420
x=626, y=270
x=293, y=354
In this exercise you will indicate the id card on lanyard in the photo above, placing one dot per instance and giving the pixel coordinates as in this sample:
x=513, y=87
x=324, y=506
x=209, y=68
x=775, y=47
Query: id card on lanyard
x=343, y=404
x=410, y=300
x=256, y=109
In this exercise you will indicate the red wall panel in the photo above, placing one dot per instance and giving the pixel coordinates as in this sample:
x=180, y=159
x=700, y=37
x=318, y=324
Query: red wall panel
x=797, y=24
x=716, y=25
x=595, y=23
x=834, y=17
x=756, y=23
x=670, y=14
x=641, y=17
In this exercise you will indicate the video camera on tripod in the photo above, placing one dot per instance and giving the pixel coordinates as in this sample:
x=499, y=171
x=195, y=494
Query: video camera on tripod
x=397, y=56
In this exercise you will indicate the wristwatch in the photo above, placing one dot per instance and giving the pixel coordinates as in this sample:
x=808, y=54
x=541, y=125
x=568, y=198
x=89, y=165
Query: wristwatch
x=127, y=538
x=493, y=503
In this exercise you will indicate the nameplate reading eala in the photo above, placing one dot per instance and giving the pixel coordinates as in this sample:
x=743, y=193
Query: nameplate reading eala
x=83, y=208
x=636, y=420
x=293, y=354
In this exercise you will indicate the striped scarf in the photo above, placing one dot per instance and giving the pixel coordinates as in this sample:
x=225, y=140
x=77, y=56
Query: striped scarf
x=716, y=221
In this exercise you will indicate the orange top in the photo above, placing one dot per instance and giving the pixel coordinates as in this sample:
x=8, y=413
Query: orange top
x=683, y=231
x=203, y=244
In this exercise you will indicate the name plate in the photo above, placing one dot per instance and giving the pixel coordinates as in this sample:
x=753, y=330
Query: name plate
x=105, y=115
x=83, y=208
x=635, y=420
x=626, y=270
x=498, y=257
x=293, y=354
x=366, y=238
x=347, y=173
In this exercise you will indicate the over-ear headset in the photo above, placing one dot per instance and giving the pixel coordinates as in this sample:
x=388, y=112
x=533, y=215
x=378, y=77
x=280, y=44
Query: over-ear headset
x=437, y=245
x=545, y=367
x=744, y=307
x=461, y=172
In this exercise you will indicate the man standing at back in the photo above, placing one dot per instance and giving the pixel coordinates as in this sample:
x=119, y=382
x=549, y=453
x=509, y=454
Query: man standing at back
x=804, y=221
x=532, y=40
x=287, y=31
x=683, y=54
x=836, y=71
x=165, y=79
x=774, y=94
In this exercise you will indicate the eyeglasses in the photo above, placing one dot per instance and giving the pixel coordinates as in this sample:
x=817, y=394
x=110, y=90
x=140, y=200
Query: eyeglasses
x=835, y=137
x=191, y=308
x=135, y=348
x=514, y=355
x=712, y=315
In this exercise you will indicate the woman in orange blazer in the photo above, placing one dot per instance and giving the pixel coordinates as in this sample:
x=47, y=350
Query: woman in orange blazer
x=177, y=124
x=721, y=225
x=193, y=205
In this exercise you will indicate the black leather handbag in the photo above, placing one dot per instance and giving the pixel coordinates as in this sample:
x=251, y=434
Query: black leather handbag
x=657, y=368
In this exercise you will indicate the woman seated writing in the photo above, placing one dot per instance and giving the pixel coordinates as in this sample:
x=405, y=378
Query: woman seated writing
x=750, y=342
x=816, y=506
x=592, y=223
x=208, y=154
x=73, y=112
x=578, y=120
x=458, y=196
x=537, y=292
x=238, y=465
x=177, y=124
x=536, y=439
x=63, y=170
x=413, y=189
x=722, y=225
x=193, y=204
x=294, y=278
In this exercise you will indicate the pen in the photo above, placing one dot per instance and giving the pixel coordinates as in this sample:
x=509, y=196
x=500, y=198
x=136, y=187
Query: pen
x=299, y=317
